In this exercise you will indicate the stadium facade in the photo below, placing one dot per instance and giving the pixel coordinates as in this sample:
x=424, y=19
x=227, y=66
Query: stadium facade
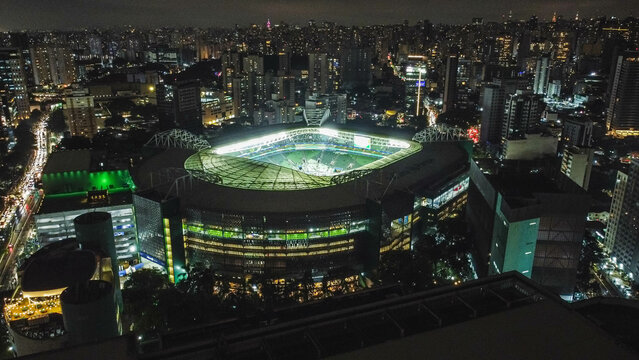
x=293, y=202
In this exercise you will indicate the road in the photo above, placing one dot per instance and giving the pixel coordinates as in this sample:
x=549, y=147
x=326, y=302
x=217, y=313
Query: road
x=605, y=284
x=23, y=202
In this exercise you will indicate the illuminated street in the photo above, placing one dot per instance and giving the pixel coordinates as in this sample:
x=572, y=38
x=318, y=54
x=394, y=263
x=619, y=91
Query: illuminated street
x=22, y=203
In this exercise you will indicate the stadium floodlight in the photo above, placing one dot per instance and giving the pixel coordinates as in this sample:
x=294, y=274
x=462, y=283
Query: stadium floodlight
x=244, y=145
x=329, y=132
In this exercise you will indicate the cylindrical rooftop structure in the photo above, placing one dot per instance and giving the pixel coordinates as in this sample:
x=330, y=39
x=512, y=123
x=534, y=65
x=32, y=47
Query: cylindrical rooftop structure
x=90, y=311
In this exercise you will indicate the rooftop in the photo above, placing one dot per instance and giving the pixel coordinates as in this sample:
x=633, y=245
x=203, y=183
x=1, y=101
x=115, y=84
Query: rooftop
x=80, y=201
x=68, y=161
x=502, y=317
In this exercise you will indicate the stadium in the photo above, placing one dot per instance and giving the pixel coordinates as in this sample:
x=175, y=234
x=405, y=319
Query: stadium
x=289, y=202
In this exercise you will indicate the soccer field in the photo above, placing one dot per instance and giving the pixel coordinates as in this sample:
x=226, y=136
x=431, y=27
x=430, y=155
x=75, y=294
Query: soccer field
x=326, y=161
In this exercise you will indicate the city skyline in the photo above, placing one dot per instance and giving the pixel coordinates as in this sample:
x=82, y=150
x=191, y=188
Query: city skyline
x=74, y=14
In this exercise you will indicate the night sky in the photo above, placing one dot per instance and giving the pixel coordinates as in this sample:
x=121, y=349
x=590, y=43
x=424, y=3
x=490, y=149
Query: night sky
x=66, y=14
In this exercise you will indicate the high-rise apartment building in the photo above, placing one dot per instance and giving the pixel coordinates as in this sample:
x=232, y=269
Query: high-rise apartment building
x=616, y=208
x=623, y=110
x=577, y=132
x=450, y=84
x=355, y=67
x=318, y=77
x=577, y=165
x=522, y=113
x=79, y=113
x=542, y=75
x=53, y=65
x=622, y=237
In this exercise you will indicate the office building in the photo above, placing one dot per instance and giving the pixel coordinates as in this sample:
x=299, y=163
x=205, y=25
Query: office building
x=14, y=97
x=528, y=223
x=623, y=111
x=52, y=65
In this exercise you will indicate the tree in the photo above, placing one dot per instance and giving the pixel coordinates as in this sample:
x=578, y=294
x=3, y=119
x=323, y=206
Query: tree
x=591, y=254
x=462, y=118
x=75, y=143
x=116, y=120
x=141, y=298
x=118, y=106
x=56, y=122
x=147, y=111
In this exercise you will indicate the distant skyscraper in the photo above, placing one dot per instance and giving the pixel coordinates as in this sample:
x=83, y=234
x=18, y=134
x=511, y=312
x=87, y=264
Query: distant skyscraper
x=622, y=237
x=623, y=111
x=253, y=64
x=355, y=67
x=52, y=65
x=318, y=74
x=243, y=95
x=283, y=63
x=450, y=84
x=492, y=113
x=542, y=75
x=14, y=97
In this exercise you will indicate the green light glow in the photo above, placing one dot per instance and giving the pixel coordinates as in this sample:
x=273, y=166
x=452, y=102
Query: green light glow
x=69, y=184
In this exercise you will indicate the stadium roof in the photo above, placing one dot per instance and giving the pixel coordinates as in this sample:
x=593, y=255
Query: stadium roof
x=435, y=163
x=215, y=166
